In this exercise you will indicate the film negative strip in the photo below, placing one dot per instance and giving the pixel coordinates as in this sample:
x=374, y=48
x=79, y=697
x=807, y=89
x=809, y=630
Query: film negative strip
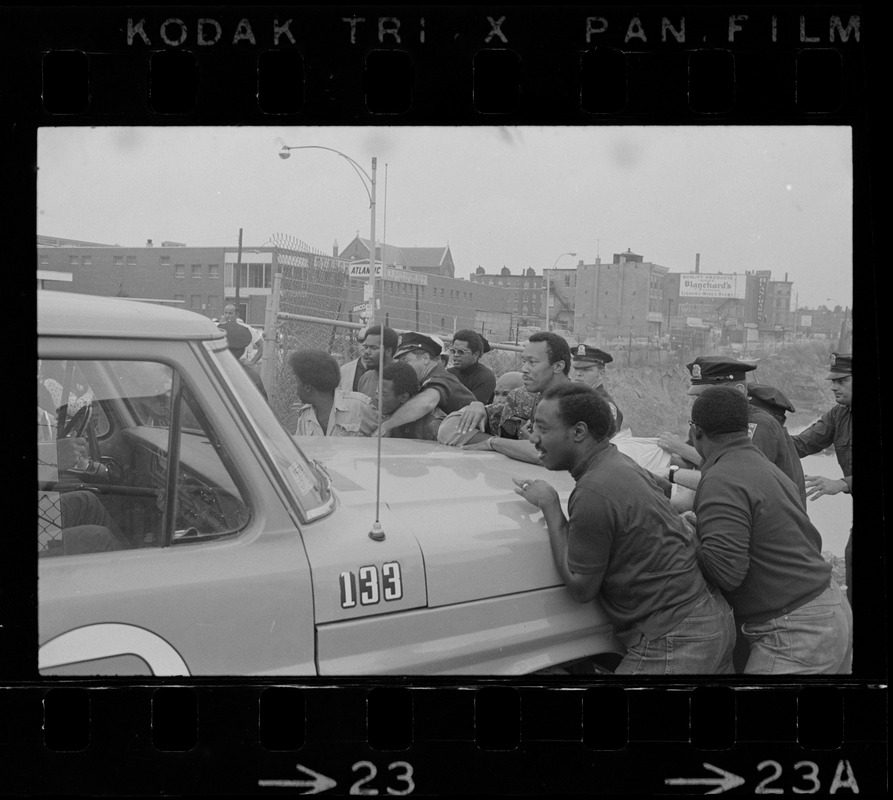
x=169, y=727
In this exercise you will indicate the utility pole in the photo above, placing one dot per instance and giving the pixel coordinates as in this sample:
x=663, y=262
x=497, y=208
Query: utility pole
x=238, y=272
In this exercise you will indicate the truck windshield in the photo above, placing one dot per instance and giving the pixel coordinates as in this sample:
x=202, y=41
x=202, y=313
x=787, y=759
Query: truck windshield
x=304, y=480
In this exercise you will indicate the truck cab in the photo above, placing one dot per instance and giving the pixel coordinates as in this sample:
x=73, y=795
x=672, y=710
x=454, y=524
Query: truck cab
x=183, y=531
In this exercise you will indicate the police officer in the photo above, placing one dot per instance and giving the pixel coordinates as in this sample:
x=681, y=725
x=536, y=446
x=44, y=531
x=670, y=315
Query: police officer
x=588, y=366
x=771, y=399
x=835, y=427
x=774, y=402
x=763, y=429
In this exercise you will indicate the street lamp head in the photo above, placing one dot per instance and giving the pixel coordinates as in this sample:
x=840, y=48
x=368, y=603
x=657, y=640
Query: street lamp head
x=284, y=152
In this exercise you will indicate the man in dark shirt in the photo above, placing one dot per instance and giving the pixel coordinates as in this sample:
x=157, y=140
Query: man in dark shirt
x=588, y=366
x=834, y=428
x=399, y=384
x=756, y=543
x=437, y=387
x=623, y=542
x=765, y=431
x=465, y=353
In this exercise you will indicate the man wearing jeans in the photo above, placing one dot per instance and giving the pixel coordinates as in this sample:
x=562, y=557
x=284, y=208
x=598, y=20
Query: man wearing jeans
x=623, y=542
x=756, y=543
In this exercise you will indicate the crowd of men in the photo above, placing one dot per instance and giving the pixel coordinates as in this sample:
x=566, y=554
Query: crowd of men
x=706, y=565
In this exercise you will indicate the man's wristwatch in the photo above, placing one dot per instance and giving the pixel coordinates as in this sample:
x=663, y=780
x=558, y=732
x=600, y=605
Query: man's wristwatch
x=671, y=473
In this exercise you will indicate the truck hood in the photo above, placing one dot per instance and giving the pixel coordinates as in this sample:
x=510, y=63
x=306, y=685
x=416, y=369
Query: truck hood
x=476, y=537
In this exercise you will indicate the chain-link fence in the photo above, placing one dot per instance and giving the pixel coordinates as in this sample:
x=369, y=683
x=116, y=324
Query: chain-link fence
x=49, y=520
x=310, y=309
x=308, y=283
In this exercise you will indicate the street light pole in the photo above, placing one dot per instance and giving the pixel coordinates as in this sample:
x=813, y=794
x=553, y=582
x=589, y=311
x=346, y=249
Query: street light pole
x=365, y=177
x=368, y=296
x=545, y=276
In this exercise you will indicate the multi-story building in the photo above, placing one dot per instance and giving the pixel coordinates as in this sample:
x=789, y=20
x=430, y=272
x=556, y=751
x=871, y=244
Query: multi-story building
x=189, y=276
x=560, y=291
x=418, y=291
x=204, y=279
x=526, y=290
x=424, y=260
x=778, y=318
x=622, y=299
x=626, y=299
x=696, y=304
x=833, y=324
x=412, y=300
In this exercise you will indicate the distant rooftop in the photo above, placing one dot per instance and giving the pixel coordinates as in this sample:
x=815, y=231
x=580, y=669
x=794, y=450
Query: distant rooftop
x=57, y=241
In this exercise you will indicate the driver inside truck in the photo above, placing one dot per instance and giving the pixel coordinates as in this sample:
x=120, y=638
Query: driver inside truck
x=80, y=520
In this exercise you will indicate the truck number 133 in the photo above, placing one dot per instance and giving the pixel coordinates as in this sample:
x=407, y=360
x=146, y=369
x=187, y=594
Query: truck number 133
x=370, y=586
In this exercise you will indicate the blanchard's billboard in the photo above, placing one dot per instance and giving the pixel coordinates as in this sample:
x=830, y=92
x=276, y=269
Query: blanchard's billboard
x=699, y=284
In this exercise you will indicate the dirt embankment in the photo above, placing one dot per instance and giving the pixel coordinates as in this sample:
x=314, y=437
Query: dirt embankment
x=653, y=397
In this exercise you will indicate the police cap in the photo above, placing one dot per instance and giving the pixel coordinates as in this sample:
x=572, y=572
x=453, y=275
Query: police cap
x=841, y=366
x=412, y=342
x=717, y=369
x=770, y=398
x=593, y=355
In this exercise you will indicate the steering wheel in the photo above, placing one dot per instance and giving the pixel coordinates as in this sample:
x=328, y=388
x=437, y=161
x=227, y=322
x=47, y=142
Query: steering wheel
x=78, y=423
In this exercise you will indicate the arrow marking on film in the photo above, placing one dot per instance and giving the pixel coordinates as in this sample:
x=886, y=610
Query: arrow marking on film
x=318, y=783
x=723, y=783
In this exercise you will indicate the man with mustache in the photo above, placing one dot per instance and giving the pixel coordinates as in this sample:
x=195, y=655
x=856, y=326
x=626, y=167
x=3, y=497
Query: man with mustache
x=361, y=374
x=623, y=542
x=545, y=363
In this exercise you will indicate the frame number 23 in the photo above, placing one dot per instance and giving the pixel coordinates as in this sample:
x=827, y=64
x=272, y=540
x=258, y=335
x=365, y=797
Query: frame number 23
x=399, y=772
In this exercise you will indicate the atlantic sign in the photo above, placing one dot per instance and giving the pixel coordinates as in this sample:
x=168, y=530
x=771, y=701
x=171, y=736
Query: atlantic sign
x=699, y=284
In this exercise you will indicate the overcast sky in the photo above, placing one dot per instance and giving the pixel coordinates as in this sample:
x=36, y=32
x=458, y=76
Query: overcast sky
x=744, y=198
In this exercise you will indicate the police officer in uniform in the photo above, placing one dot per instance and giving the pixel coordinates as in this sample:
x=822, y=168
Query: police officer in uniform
x=771, y=399
x=763, y=429
x=774, y=402
x=834, y=428
x=588, y=367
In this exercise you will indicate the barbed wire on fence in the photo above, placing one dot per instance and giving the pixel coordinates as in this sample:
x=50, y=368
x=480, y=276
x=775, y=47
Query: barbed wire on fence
x=314, y=284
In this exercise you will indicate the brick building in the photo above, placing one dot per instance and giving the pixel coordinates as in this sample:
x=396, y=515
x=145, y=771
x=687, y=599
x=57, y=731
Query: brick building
x=622, y=299
x=526, y=290
x=424, y=260
x=189, y=276
x=203, y=279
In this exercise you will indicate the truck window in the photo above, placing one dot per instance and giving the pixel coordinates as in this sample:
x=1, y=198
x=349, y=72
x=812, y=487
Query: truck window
x=129, y=461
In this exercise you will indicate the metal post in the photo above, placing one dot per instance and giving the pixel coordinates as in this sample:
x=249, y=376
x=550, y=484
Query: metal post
x=237, y=275
x=546, y=280
x=371, y=290
x=271, y=352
